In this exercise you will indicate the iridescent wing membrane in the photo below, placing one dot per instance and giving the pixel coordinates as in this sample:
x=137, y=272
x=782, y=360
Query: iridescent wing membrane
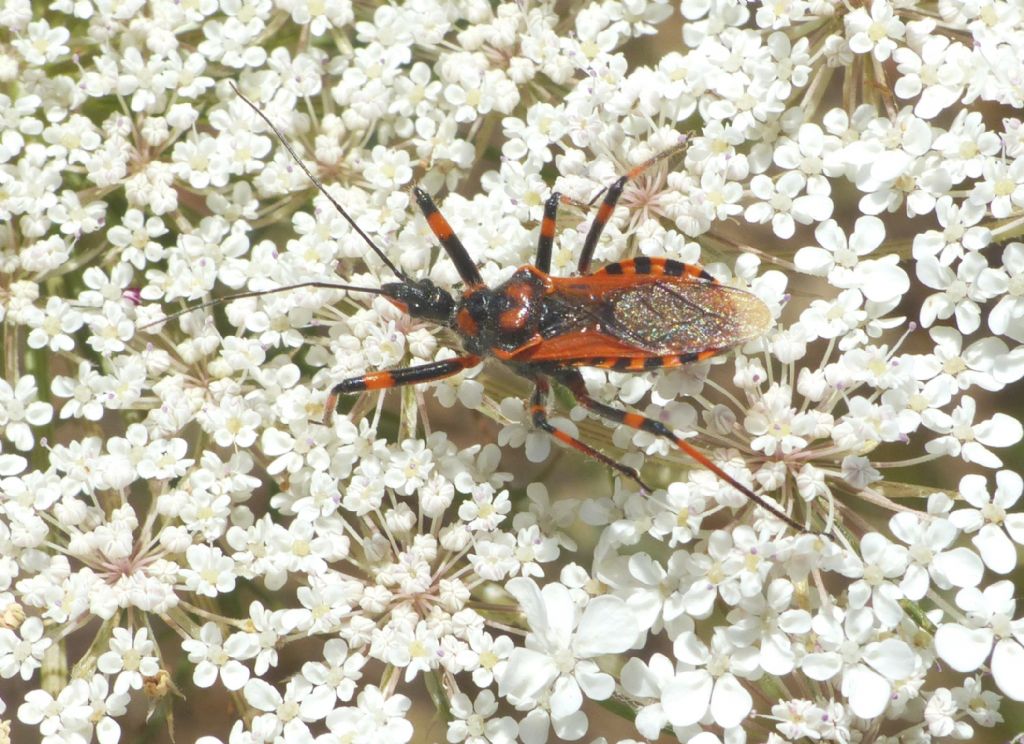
x=643, y=314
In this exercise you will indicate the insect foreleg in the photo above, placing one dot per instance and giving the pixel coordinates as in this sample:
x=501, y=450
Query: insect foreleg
x=538, y=410
x=574, y=381
x=390, y=378
x=449, y=240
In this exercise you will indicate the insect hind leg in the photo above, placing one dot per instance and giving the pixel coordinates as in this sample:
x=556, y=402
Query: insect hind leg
x=611, y=198
x=574, y=381
x=539, y=414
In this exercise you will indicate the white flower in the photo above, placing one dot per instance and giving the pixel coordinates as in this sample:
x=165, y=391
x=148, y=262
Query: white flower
x=492, y=656
x=287, y=714
x=960, y=293
x=341, y=672
x=52, y=328
x=713, y=687
x=232, y=423
x=130, y=658
x=19, y=411
x=940, y=715
x=22, y=652
x=879, y=280
x=64, y=718
x=1007, y=317
x=382, y=718
x=876, y=33
x=936, y=73
x=997, y=529
x=210, y=572
x=969, y=440
x=929, y=558
x=214, y=658
x=960, y=232
x=562, y=642
x=484, y=510
x=881, y=560
x=42, y=44
x=781, y=204
x=868, y=667
x=649, y=681
x=106, y=705
x=990, y=630
x=1002, y=188
x=801, y=718
x=474, y=722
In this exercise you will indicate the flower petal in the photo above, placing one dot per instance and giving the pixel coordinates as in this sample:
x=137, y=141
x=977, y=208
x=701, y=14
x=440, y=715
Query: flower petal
x=686, y=697
x=964, y=649
x=1007, y=662
x=867, y=691
x=961, y=566
x=822, y=666
x=891, y=658
x=528, y=672
x=730, y=702
x=608, y=626
x=996, y=549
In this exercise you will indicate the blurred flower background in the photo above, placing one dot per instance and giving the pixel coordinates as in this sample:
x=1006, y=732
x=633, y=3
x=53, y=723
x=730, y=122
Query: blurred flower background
x=186, y=551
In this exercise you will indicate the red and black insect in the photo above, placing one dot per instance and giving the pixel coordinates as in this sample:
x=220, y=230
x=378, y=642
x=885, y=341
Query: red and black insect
x=631, y=316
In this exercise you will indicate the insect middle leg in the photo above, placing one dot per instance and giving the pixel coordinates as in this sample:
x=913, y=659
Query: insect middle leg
x=390, y=378
x=538, y=410
x=547, y=233
x=572, y=379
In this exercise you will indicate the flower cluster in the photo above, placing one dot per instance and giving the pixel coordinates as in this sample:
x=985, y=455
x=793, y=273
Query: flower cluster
x=173, y=497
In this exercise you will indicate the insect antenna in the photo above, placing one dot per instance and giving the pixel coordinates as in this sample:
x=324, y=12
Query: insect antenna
x=261, y=293
x=319, y=185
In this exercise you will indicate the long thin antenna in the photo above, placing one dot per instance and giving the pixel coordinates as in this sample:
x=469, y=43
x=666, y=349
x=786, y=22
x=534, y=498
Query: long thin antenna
x=261, y=293
x=319, y=184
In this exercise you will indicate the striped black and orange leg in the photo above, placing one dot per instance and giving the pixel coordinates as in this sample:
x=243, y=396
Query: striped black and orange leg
x=547, y=233
x=574, y=381
x=539, y=413
x=390, y=378
x=449, y=240
x=611, y=198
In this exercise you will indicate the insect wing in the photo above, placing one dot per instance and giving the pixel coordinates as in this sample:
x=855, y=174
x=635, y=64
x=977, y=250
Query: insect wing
x=633, y=316
x=673, y=316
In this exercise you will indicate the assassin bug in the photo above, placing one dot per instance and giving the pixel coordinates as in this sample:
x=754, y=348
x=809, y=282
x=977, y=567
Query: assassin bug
x=632, y=316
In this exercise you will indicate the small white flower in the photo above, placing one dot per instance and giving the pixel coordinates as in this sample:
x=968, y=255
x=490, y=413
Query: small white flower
x=21, y=653
x=971, y=440
x=288, y=713
x=209, y=571
x=876, y=33
x=990, y=630
x=130, y=658
x=998, y=531
x=474, y=721
x=214, y=658
x=64, y=718
x=562, y=642
x=712, y=687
